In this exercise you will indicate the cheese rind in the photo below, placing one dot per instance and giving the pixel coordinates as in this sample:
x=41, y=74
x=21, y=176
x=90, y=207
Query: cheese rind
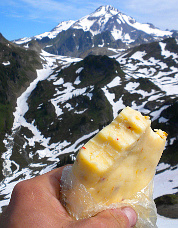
x=116, y=164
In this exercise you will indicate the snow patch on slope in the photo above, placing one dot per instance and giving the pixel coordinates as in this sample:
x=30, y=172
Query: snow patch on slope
x=63, y=26
x=167, y=53
x=146, y=28
x=165, y=77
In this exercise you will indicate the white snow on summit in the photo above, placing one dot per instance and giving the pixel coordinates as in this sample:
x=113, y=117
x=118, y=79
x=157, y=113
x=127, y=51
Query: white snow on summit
x=98, y=21
x=101, y=16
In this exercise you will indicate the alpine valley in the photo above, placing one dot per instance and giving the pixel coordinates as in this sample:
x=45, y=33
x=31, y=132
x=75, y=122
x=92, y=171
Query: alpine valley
x=59, y=88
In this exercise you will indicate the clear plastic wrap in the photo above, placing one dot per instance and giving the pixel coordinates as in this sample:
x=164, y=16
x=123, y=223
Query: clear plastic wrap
x=116, y=168
x=80, y=204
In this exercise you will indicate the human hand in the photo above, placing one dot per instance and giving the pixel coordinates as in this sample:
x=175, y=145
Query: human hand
x=35, y=203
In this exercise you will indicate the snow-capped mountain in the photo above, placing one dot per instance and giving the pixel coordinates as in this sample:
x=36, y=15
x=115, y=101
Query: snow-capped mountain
x=106, y=27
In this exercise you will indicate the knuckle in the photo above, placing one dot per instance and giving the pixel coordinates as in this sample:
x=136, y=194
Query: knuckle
x=19, y=192
x=19, y=187
x=24, y=189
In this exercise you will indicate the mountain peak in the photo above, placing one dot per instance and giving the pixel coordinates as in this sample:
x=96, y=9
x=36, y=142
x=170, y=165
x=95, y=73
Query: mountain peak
x=96, y=21
x=107, y=9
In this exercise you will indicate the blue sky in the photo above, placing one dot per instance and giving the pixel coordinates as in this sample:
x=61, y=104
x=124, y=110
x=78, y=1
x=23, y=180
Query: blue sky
x=25, y=18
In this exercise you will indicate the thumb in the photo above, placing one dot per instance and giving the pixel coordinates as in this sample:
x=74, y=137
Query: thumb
x=124, y=217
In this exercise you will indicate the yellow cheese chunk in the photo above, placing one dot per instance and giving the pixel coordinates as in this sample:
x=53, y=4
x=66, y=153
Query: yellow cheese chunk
x=117, y=163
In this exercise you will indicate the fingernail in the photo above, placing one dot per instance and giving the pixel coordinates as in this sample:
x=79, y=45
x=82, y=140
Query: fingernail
x=131, y=215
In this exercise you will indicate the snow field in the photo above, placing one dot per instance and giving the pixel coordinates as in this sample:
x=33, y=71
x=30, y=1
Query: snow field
x=164, y=182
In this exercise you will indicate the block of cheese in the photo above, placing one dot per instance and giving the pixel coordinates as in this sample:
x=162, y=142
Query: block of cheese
x=114, y=165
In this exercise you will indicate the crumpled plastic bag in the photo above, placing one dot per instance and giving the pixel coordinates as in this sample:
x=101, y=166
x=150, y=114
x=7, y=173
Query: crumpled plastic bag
x=80, y=204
